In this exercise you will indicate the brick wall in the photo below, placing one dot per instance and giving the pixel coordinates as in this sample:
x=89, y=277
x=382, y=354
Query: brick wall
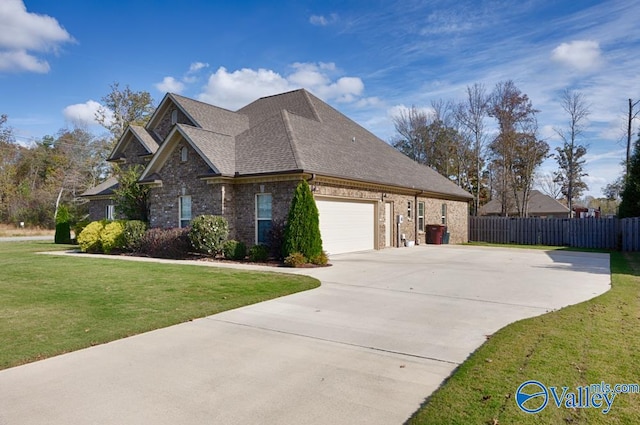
x=179, y=179
x=164, y=126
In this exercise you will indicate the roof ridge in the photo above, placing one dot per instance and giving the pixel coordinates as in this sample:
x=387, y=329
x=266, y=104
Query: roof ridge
x=203, y=129
x=202, y=102
x=292, y=142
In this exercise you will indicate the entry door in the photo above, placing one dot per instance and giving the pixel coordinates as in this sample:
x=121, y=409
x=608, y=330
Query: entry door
x=387, y=224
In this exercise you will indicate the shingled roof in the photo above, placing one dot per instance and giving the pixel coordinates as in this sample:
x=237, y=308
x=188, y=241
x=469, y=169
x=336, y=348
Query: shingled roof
x=297, y=132
x=539, y=204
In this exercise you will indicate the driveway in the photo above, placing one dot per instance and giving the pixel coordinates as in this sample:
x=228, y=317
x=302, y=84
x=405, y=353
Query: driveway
x=380, y=335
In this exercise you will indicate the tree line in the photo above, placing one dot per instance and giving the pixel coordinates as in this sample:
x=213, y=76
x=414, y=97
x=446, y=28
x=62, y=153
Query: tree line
x=499, y=161
x=39, y=177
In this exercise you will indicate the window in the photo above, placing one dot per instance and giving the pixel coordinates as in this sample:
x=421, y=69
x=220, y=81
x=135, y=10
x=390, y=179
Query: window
x=185, y=210
x=184, y=154
x=110, y=212
x=444, y=214
x=421, y=216
x=263, y=218
x=409, y=210
x=174, y=117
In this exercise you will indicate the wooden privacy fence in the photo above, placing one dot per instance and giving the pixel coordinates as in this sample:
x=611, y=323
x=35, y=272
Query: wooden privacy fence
x=601, y=233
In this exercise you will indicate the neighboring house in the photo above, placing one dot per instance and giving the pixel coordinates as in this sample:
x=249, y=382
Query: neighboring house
x=540, y=205
x=245, y=166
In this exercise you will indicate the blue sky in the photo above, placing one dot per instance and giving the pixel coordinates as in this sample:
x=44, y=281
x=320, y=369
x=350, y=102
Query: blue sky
x=366, y=58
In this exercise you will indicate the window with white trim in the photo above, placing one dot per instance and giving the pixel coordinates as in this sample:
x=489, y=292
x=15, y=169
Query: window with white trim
x=409, y=210
x=174, y=117
x=110, y=212
x=421, y=216
x=444, y=214
x=263, y=218
x=185, y=210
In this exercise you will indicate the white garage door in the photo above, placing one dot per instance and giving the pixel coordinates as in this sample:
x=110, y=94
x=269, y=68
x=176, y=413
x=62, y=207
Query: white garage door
x=346, y=226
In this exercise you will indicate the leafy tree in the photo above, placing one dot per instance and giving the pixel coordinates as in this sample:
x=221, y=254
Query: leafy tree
x=570, y=155
x=302, y=231
x=613, y=190
x=516, y=151
x=122, y=107
x=431, y=138
x=130, y=198
x=630, y=205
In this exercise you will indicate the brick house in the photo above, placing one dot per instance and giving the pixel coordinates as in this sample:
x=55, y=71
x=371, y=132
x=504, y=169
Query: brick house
x=245, y=165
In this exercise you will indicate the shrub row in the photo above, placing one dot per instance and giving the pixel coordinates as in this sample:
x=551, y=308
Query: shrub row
x=207, y=235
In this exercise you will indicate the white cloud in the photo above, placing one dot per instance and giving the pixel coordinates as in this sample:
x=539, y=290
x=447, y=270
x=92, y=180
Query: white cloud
x=20, y=60
x=235, y=89
x=170, y=84
x=24, y=32
x=582, y=55
x=82, y=114
x=322, y=21
x=197, y=66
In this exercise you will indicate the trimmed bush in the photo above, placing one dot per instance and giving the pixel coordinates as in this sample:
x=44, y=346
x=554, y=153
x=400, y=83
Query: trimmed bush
x=166, y=243
x=302, y=231
x=89, y=238
x=63, y=229
x=133, y=233
x=112, y=237
x=208, y=233
x=295, y=259
x=321, y=259
x=79, y=227
x=234, y=250
x=259, y=253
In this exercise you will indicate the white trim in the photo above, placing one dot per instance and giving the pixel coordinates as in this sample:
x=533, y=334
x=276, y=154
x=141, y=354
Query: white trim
x=180, y=217
x=418, y=216
x=256, y=218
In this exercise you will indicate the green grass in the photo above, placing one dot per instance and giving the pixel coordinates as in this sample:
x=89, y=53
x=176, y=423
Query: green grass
x=594, y=341
x=55, y=304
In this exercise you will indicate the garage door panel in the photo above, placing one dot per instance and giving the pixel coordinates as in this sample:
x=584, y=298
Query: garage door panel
x=346, y=226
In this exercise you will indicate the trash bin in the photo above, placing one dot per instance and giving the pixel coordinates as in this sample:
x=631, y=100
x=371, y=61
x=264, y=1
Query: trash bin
x=445, y=238
x=435, y=233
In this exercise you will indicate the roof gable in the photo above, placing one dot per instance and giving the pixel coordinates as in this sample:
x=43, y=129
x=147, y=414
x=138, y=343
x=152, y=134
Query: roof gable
x=133, y=134
x=539, y=204
x=217, y=150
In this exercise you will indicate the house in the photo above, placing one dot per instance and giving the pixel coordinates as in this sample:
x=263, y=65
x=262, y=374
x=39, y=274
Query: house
x=540, y=205
x=245, y=166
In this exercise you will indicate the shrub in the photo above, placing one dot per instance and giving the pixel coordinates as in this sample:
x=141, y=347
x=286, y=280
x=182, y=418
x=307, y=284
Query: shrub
x=133, y=234
x=79, y=227
x=295, y=259
x=234, y=250
x=276, y=235
x=89, y=238
x=208, y=233
x=63, y=229
x=165, y=243
x=321, y=259
x=302, y=231
x=112, y=237
x=259, y=253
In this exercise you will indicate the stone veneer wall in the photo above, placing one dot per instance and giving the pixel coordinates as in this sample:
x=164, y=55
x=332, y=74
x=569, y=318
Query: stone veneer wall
x=164, y=127
x=98, y=209
x=245, y=206
x=457, y=213
x=179, y=179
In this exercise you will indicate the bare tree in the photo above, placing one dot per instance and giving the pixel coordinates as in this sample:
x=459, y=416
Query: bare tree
x=548, y=185
x=471, y=114
x=123, y=107
x=570, y=155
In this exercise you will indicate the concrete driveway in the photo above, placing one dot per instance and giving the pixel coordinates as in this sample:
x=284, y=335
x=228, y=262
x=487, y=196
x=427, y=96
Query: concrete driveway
x=381, y=334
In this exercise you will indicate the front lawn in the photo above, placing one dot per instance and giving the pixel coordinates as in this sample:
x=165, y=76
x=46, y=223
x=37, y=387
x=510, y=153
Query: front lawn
x=55, y=304
x=593, y=342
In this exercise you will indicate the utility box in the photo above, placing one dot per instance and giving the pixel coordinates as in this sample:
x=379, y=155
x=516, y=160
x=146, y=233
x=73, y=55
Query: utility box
x=435, y=233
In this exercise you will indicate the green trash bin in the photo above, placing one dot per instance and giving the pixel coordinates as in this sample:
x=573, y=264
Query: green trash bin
x=445, y=237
